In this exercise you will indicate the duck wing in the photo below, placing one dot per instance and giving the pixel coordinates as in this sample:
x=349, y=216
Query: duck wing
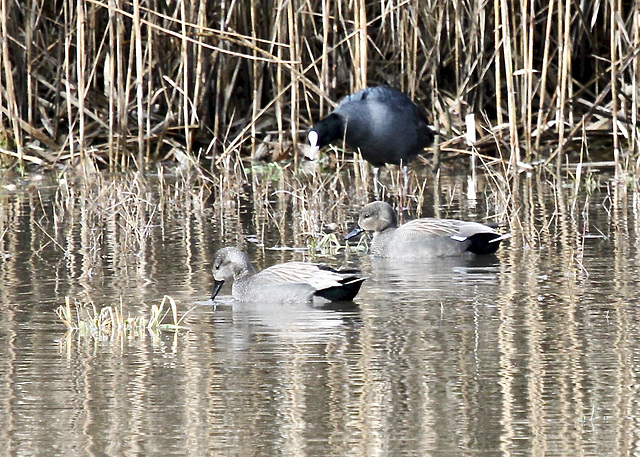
x=317, y=276
x=433, y=228
x=428, y=228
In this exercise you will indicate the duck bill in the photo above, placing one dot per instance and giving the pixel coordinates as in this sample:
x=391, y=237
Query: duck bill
x=217, y=285
x=355, y=232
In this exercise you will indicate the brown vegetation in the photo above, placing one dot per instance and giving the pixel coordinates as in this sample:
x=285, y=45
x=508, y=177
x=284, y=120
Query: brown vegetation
x=121, y=82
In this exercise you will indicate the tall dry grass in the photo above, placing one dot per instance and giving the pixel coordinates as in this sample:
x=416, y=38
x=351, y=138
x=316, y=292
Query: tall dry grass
x=118, y=83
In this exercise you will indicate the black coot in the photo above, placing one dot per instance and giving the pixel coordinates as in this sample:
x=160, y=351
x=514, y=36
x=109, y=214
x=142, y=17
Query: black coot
x=381, y=122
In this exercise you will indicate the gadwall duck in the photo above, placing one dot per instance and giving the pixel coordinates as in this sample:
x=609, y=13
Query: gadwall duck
x=286, y=282
x=423, y=238
x=381, y=122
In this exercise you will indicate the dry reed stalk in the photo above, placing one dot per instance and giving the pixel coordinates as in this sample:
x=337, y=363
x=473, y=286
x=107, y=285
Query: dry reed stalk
x=33, y=14
x=497, y=11
x=294, y=50
x=139, y=84
x=360, y=47
x=527, y=80
x=201, y=62
x=511, y=101
x=110, y=87
x=564, y=61
x=542, y=96
x=615, y=8
x=278, y=31
x=70, y=140
x=325, y=84
x=255, y=82
x=81, y=66
x=121, y=91
x=11, y=99
x=635, y=89
x=187, y=76
x=110, y=91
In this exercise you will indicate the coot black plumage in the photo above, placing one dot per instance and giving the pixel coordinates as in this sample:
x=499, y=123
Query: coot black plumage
x=381, y=122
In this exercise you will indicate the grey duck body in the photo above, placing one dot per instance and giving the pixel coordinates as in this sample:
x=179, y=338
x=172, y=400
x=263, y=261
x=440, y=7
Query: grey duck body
x=286, y=282
x=424, y=238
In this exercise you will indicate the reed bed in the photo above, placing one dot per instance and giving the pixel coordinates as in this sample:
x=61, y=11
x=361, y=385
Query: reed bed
x=119, y=83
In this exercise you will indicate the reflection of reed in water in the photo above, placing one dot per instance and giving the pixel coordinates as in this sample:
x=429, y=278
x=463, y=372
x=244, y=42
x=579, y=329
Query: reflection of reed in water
x=95, y=233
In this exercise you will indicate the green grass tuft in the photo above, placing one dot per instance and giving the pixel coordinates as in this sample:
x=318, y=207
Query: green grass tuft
x=110, y=323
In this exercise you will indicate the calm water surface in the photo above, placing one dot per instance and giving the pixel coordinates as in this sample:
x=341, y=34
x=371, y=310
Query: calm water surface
x=531, y=352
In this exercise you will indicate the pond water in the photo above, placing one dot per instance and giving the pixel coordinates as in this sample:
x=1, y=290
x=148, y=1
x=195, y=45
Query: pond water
x=534, y=351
